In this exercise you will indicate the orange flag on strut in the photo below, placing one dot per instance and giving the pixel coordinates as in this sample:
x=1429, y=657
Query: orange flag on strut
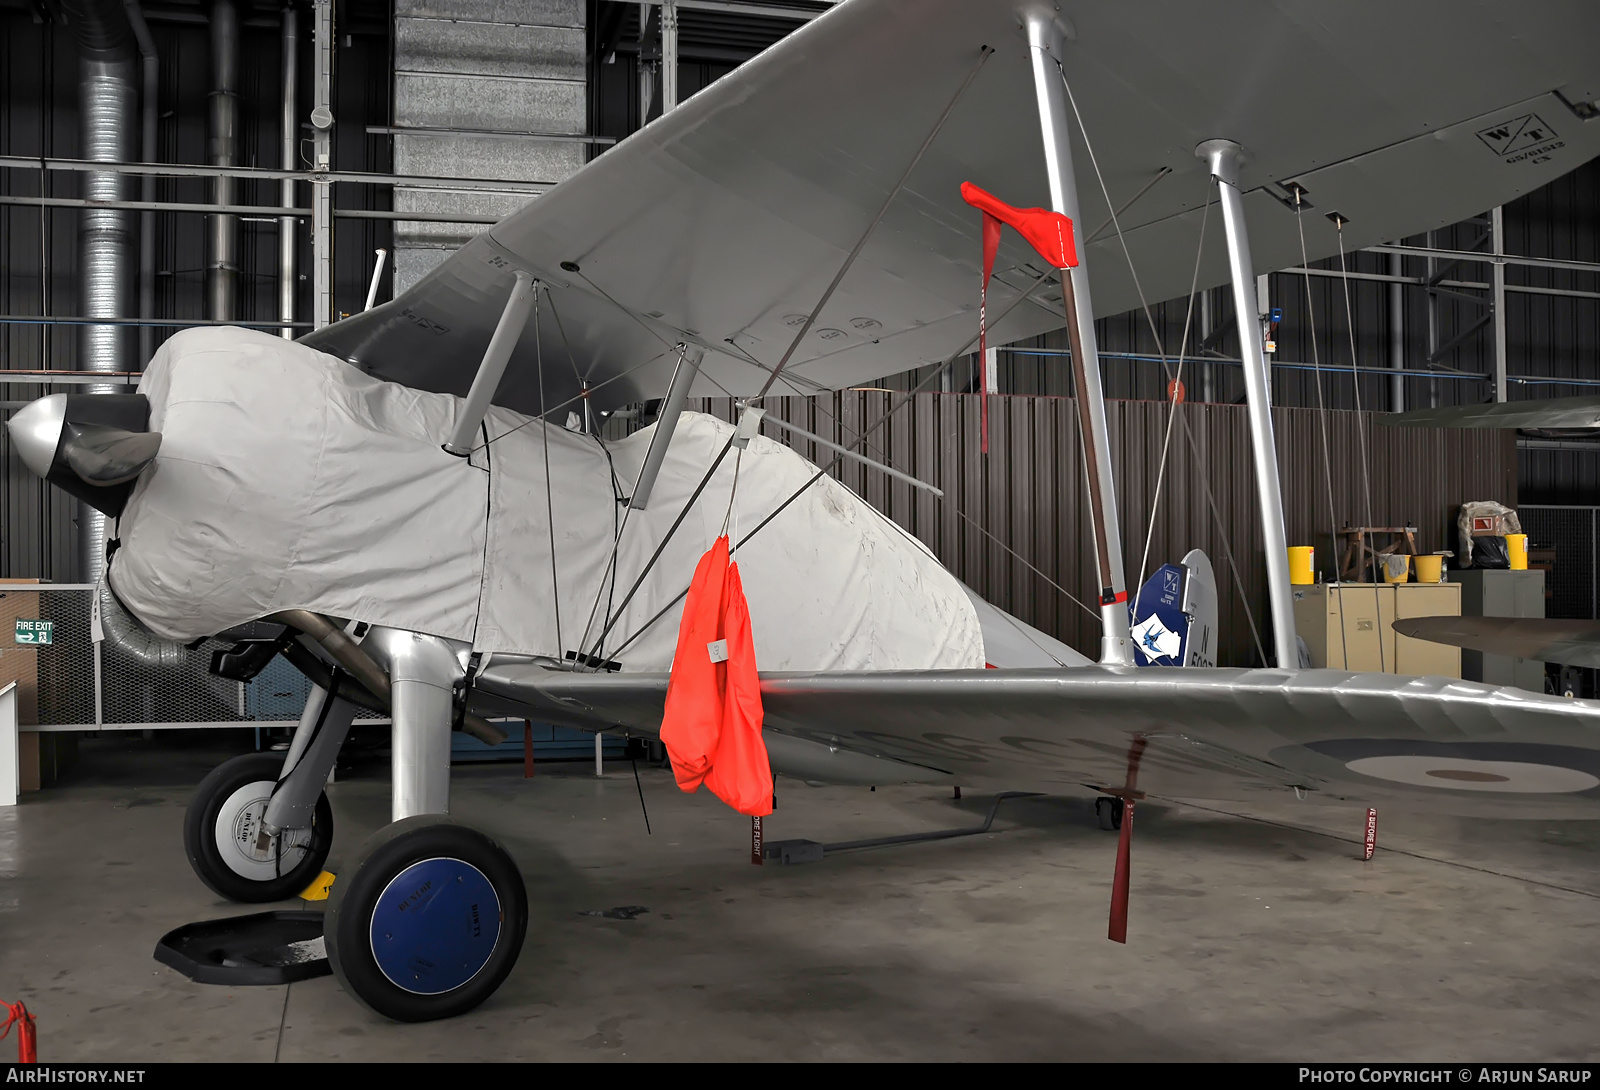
x=711, y=725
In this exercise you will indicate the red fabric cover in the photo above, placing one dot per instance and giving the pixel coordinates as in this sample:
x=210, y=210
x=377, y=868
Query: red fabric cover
x=741, y=774
x=692, y=720
x=1050, y=233
x=711, y=724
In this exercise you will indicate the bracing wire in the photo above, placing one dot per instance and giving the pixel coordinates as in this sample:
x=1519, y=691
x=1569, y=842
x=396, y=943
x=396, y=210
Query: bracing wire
x=1361, y=431
x=1322, y=421
x=1144, y=304
x=1172, y=404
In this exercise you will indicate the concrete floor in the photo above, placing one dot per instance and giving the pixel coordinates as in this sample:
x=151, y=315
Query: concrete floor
x=1254, y=935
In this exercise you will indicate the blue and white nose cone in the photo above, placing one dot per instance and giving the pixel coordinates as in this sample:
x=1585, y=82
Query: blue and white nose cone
x=92, y=446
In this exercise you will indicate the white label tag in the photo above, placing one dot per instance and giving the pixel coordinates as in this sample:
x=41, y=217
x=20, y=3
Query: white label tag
x=718, y=650
x=97, y=634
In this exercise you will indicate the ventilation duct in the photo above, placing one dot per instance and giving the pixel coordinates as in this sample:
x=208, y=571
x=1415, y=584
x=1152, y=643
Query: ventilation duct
x=222, y=128
x=108, y=97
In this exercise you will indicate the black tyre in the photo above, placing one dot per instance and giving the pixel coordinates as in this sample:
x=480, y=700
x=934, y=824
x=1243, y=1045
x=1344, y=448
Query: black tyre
x=1109, y=811
x=220, y=834
x=426, y=920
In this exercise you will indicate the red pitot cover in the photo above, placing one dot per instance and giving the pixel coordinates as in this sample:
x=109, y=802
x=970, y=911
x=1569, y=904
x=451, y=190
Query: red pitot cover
x=712, y=722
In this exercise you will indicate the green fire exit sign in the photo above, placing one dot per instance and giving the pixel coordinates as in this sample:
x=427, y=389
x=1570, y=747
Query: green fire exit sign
x=35, y=632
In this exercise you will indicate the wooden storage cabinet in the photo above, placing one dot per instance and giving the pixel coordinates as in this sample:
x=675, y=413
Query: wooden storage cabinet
x=1351, y=627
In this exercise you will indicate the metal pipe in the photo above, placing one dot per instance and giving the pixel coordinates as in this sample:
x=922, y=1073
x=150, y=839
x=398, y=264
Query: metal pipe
x=354, y=177
x=1397, y=337
x=108, y=95
x=1046, y=37
x=289, y=135
x=377, y=277
x=489, y=134
x=854, y=455
x=322, y=164
x=149, y=94
x=683, y=377
x=1223, y=158
x=1497, y=273
x=360, y=665
x=222, y=137
x=256, y=213
x=495, y=357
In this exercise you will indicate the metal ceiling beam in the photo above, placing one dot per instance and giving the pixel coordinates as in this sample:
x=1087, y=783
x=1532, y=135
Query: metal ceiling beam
x=198, y=170
x=803, y=15
x=1488, y=258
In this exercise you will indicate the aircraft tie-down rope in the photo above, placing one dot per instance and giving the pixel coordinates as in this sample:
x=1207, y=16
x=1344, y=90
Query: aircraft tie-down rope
x=611, y=621
x=1144, y=303
x=1322, y=412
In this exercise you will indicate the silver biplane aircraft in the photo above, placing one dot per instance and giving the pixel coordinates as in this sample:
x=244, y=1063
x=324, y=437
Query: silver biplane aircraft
x=395, y=504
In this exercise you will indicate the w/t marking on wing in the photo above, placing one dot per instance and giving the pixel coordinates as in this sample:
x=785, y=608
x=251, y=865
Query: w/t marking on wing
x=1516, y=134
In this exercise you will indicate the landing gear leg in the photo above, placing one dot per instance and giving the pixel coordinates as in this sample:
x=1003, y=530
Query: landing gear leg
x=428, y=916
x=259, y=827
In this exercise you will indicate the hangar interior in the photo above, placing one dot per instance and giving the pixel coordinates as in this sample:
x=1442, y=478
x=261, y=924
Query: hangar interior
x=352, y=146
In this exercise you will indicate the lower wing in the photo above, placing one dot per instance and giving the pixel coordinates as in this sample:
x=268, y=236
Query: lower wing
x=1432, y=743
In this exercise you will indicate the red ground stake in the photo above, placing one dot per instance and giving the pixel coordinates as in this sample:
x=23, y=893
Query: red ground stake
x=1118, y=931
x=27, y=1041
x=1371, y=844
x=755, y=840
x=527, y=749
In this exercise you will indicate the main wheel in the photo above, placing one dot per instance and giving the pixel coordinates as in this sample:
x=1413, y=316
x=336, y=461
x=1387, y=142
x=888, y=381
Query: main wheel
x=1109, y=812
x=221, y=827
x=427, y=920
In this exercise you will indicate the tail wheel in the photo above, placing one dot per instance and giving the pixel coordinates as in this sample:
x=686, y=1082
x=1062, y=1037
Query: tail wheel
x=221, y=834
x=427, y=920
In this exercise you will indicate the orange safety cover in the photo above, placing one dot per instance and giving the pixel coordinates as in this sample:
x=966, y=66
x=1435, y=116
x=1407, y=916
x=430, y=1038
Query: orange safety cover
x=711, y=724
x=741, y=774
x=691, y=722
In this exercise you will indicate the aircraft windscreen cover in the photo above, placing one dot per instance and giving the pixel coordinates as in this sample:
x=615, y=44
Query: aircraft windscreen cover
x=288, y=479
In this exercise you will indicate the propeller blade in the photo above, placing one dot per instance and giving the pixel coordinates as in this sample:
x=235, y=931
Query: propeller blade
x=103, y=455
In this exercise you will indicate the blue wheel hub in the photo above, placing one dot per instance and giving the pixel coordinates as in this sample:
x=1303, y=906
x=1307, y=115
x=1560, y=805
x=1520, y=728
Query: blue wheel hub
x=435, y=926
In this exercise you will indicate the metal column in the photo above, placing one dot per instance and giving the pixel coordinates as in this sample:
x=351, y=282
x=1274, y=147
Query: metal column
x=322, y=161
x=1046, y=36
x=222, y=231
x=290, y=121
x=1223, y=158
x=1397, y=337
x=669, y=55
x=1497, y=226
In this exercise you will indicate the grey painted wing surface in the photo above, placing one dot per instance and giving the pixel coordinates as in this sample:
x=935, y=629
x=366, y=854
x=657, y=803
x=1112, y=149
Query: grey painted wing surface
x=1428, y=743
x=1542, y=639
x=1554, y=413
x=721, y=223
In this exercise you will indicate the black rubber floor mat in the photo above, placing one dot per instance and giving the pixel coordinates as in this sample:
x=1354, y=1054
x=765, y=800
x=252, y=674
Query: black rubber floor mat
x=262, y=948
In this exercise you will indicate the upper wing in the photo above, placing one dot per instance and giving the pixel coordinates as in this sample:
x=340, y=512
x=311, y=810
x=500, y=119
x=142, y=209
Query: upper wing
x=1553, y=413
x=721, y=223
x=1433, y=742
x=1542, y=639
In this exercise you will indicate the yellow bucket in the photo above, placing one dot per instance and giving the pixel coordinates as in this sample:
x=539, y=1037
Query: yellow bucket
x=1396, y=567
x=1517, y=547
x=1301, y=562
x=1430, y=569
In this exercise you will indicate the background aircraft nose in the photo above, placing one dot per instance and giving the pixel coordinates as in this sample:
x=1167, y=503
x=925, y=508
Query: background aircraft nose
x=36, y=432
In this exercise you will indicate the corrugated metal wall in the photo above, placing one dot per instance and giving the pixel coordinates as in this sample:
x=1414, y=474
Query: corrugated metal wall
x=1013, y=527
